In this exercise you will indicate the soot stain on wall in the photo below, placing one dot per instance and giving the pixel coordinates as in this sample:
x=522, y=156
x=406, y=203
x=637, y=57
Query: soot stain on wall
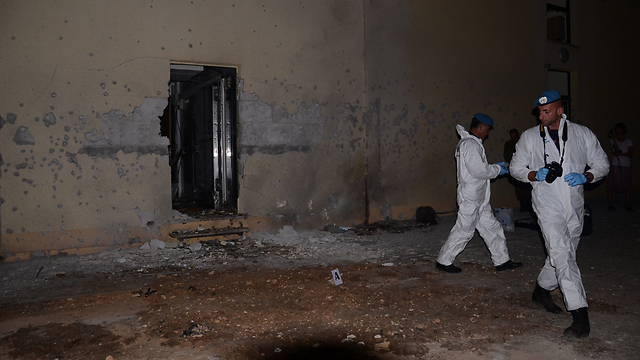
x=137, y=132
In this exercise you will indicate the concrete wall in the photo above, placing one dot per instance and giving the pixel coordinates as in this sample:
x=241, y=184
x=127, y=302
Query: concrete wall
x=347, y=109
x=433, y=64
x=83, y=162
x=609, y=72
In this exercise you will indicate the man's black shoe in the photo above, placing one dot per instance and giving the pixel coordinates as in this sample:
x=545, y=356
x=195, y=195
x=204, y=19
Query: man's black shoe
x=448, y=268
x=580, y=327
x=509, y=265
x=542, y=297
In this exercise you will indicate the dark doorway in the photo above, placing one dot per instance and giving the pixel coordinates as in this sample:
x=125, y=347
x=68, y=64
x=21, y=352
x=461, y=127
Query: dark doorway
x=200, y=121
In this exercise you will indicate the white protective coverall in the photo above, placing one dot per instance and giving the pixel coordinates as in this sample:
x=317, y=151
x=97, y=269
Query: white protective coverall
x=474, y=211
x=560, y=207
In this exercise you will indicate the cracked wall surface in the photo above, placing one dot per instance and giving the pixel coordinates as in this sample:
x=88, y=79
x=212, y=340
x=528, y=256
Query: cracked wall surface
x=346, y=109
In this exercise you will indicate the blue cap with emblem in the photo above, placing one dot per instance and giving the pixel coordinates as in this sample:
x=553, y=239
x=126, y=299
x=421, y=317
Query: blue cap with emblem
x=483, y=118
x=548, y=97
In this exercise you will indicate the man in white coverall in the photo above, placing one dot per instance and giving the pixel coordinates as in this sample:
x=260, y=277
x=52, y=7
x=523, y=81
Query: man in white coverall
x=558, y=200
x=473, y=193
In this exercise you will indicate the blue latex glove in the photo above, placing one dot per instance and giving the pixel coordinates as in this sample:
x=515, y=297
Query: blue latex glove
x=542, y=174
x=503, y=168
x=575, y=179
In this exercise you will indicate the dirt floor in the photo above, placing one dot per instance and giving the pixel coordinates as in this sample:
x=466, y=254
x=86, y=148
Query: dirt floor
x=263, y=298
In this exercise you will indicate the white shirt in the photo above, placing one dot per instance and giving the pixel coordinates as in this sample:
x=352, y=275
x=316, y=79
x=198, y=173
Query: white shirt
x=624, y=148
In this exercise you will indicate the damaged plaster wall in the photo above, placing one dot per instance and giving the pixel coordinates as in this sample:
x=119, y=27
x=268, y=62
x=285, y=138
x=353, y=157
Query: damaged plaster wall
x=303, y=164
x=83, y=162
x=137, y=132
x=88, y=179
x=333, y=95
x=301, y=137
x=432, y=65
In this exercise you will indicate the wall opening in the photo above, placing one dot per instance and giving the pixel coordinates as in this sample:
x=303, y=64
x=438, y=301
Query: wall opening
x=558, y=21
x=200, y=121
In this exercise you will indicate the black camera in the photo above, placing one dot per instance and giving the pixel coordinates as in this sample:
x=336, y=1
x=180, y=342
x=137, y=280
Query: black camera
x=555, y=170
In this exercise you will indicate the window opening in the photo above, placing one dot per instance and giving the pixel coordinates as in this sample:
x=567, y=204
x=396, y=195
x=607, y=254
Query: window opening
x=558, y=24
x=200, y=122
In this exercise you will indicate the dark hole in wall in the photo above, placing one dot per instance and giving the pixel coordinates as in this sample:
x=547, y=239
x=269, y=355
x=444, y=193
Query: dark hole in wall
x=200, y=121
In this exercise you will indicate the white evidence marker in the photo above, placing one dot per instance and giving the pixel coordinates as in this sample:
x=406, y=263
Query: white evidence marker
x=337, y=278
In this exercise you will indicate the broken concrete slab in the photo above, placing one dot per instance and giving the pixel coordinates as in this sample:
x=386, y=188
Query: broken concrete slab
x=158, y=244
x=172, y=244
x=195, y=247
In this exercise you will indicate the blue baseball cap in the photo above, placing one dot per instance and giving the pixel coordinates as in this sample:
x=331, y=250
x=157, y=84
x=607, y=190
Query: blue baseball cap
x=483, y=118
x=548, y=97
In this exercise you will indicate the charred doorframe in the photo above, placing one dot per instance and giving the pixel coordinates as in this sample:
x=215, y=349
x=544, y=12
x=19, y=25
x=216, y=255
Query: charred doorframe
x=201, y=125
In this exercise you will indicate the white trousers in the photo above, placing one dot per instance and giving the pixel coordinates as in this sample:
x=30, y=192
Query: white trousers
x=471, y=217
x=561, y=235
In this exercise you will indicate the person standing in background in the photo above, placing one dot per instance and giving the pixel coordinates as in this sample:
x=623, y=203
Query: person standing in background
x=620, y=172
x=523, y=190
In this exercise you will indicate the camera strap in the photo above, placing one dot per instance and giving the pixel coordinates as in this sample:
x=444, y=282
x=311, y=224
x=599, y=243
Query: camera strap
x=565, y=136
